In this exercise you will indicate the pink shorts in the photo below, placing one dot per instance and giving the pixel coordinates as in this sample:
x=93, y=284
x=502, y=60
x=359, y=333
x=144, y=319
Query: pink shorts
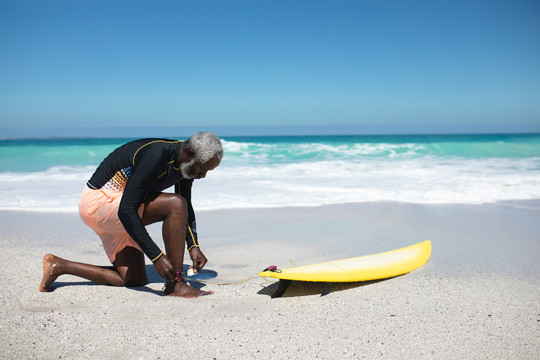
x=99, y=210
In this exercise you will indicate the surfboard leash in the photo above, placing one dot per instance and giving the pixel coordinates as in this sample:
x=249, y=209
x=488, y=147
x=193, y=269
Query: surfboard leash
x=224, y=283
x=272, y=268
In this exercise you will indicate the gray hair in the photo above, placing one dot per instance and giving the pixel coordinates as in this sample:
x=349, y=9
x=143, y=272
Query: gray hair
x=205, y=145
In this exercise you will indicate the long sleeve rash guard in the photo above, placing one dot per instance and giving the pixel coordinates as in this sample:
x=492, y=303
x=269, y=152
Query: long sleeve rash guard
x=138, y=168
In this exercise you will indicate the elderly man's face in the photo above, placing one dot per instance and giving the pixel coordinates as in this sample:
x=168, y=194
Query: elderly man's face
x=198, y=170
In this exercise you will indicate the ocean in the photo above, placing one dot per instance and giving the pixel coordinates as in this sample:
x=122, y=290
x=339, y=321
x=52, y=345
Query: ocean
x=276, y=171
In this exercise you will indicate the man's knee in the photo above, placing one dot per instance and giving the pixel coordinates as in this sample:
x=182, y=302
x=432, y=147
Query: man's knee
x=130, y=265
x=178, y=205
x=135, y=280
x=135, y=275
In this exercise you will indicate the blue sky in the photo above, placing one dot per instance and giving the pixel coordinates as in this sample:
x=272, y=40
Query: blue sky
x=373, y=66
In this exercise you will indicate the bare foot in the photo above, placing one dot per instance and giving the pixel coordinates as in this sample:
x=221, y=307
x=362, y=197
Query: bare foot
x=51, y=271
x=181, y=289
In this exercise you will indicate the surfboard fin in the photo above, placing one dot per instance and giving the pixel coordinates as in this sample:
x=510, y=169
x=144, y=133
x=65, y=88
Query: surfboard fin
x=326, y=289
x=282, y=287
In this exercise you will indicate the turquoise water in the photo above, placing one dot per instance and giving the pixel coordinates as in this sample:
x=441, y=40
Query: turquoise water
x=299, y=170
x=40, y=155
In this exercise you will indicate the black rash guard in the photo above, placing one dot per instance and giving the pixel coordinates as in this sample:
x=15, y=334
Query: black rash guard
x=138, y=168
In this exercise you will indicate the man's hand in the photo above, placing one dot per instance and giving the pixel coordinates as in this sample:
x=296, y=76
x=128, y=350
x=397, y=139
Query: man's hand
x=199, y=260
x=165, y=268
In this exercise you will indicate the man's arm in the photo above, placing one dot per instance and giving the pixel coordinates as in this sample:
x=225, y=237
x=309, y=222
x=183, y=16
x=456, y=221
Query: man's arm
x=137, y=187
x=184, y=189
x=192, y=243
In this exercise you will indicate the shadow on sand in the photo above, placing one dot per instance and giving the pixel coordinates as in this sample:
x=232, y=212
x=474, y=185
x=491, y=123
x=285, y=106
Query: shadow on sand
x=306, y=288
x=152, y=277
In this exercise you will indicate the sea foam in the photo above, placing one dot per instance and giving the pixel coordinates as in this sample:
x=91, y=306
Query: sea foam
x=299, y=171
x=423, y=180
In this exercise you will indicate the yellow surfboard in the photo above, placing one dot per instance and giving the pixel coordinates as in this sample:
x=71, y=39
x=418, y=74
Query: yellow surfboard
x=364, y=268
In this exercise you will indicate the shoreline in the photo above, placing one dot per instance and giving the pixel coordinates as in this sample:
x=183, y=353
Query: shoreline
x=532, y=204
x=477, y=297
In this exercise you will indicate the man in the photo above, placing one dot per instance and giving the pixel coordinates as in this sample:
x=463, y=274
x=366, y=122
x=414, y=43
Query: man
x=125, y=194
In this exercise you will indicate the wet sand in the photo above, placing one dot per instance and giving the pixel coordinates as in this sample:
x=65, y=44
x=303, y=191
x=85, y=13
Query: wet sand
x=477, y=297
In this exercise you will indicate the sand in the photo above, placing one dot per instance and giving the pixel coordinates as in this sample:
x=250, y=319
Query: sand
x=477, y=298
